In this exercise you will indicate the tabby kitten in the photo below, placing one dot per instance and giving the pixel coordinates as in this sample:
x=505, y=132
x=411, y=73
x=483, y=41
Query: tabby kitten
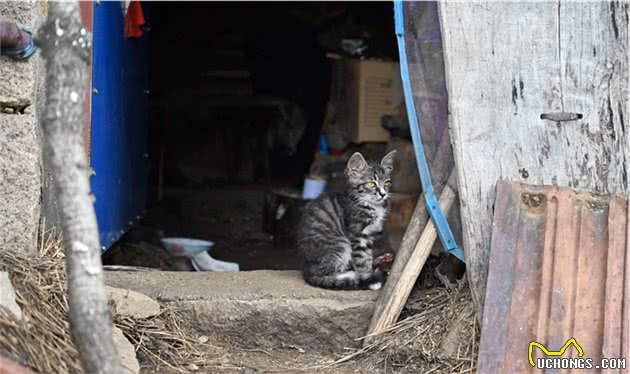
x=336, y=232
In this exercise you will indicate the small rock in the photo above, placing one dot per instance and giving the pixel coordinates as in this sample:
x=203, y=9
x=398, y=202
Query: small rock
x=126, y=352
x=7, y=295
x=132, y=304
x=203, y=339
x=193, y=367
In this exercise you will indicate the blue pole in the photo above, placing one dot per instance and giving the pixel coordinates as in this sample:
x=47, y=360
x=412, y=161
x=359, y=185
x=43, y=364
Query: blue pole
x=437, y=216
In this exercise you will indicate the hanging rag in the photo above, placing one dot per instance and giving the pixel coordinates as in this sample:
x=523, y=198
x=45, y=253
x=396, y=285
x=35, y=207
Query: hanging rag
x=134, y=18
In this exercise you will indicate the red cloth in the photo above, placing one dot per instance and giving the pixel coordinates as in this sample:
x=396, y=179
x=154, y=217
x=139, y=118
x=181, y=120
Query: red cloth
x=133, y=20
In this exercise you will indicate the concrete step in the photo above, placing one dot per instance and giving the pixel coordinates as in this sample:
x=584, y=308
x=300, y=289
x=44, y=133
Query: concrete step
x=258, y=308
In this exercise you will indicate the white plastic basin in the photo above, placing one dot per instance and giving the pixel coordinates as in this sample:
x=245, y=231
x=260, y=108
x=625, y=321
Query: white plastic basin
x=186, y=247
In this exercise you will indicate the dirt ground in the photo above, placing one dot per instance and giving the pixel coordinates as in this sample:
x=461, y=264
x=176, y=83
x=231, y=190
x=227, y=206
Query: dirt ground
x=253, y=361
x=440, y=337
x=230, y=216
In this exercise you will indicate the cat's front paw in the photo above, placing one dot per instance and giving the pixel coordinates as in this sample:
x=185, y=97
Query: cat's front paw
x=384, y=262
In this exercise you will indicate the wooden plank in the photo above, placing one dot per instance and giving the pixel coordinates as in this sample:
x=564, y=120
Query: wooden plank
x=397, y=290
x=86, y=8
x=508, y=63
x=440, y=165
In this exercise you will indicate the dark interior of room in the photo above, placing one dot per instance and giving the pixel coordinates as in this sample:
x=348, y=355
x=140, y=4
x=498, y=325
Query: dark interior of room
x=238, y=95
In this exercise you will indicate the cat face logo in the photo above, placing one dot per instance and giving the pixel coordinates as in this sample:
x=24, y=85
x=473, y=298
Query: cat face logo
x=547, y=352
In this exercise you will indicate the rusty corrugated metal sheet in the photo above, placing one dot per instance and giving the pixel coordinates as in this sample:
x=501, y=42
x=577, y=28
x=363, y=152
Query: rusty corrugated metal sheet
x=559, y=269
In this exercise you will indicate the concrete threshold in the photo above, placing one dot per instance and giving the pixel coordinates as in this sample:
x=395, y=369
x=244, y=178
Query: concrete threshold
x=258, y=308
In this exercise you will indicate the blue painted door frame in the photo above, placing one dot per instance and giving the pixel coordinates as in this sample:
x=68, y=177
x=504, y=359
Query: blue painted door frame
x=119, y=122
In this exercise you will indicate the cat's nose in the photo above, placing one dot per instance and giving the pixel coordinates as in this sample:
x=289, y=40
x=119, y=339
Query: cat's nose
x=382, y=193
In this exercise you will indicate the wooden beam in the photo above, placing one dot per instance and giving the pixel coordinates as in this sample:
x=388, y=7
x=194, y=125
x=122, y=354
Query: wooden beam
x=397, y=289
x=439, y=164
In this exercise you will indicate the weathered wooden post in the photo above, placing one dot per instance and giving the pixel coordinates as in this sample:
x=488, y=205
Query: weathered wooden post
x=538, y=93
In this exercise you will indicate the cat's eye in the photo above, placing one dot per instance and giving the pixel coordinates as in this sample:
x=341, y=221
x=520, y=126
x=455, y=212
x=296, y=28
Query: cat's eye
x=387, y=184
x=371, y=184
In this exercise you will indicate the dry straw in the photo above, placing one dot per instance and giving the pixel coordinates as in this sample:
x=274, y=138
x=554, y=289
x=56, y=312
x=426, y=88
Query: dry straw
x=42, y=340
x=439, y=335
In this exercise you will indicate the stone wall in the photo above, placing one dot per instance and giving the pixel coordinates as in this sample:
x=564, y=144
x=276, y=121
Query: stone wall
x=22, y=172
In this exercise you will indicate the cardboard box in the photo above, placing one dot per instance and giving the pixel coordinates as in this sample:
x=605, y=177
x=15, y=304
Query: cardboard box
x=369, y=89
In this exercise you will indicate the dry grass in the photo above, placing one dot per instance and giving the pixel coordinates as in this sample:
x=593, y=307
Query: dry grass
x=42, y=340
x=440, y=335
x=160, y=342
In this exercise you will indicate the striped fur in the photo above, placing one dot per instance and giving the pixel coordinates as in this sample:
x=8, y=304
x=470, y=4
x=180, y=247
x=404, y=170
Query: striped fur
x=336, y=232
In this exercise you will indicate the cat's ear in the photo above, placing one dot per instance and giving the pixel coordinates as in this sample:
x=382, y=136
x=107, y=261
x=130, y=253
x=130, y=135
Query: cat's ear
x=388, y=161
x=356, y=165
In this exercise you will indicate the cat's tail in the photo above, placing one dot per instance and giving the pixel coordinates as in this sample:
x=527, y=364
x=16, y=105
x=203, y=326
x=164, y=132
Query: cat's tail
x=349, y=280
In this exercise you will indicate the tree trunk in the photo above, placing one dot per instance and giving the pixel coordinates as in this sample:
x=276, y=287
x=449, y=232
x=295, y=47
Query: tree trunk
x=66, y=50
